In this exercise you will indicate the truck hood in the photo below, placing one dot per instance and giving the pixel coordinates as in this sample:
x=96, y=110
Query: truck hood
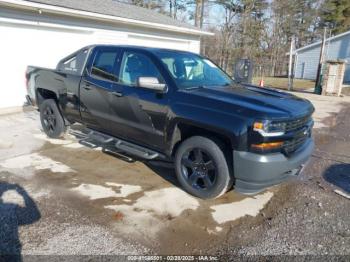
x=256, y=101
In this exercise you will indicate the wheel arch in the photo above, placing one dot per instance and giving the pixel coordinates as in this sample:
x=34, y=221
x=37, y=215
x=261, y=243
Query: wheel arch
x=183, y=130
x=43, y=94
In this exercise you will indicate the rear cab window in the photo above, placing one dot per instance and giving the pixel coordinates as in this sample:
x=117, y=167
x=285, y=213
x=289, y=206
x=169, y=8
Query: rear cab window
x=74, y=63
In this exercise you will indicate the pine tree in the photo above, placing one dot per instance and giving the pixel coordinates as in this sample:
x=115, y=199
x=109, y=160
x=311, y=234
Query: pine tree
x=336, y=15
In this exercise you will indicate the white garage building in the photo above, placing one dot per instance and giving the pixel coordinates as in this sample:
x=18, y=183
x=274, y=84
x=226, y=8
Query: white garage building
x=41, y=32
x=307, y=57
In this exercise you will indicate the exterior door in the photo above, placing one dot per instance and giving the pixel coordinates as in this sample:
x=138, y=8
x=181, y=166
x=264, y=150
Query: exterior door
x=97, y=87
x=142, y=112
x=332, y=79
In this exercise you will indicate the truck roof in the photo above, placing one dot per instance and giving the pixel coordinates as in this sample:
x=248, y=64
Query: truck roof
x=151, y=49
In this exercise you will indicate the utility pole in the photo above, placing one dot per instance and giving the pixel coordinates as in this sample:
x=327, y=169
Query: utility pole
x=321, y=61
x=202, y=14
x=290, y=65
x=199, y=13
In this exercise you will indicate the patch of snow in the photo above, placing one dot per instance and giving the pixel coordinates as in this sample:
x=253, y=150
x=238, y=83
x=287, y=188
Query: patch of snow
x=166, y=201
x=52, y=141
x=94, y=192
x=146, y=213
x=125, y=190
x=12, y=197
x=232, y=211
x=172, y=201
x=73, y=145
x=34, y=162
x=218, y=229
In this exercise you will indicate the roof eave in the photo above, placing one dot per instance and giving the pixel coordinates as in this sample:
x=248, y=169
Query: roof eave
x=320, y=42
x=97, y=16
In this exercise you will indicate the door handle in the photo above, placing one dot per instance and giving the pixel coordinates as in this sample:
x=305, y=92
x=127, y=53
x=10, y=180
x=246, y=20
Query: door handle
x=118, y=94
x=86, y=85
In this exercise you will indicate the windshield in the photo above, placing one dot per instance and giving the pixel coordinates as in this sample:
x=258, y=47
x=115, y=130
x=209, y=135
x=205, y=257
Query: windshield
x=190, y=70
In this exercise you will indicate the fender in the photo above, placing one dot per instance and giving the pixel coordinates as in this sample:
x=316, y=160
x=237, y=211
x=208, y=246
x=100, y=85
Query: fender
x=229, y=125
x=50, y=81
x=57, y=88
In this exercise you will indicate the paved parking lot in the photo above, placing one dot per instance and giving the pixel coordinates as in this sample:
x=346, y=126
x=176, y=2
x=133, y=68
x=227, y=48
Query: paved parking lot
x=72, y=199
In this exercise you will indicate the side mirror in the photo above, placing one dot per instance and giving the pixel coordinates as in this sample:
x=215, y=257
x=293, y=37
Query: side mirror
x=151, y=83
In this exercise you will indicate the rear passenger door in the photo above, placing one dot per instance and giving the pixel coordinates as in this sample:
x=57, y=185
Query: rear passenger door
x=97, y=87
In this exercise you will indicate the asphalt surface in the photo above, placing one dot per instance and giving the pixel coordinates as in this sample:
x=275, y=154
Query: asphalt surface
x=60, y=197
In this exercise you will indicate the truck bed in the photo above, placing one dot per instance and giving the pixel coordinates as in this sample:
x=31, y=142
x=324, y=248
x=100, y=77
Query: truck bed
x=64, y=85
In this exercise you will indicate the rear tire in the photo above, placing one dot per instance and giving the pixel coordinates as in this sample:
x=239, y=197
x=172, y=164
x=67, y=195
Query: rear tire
x=202, y=169
x=51, y=119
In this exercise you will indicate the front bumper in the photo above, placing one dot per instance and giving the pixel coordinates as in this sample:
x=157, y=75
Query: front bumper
x=255, y=172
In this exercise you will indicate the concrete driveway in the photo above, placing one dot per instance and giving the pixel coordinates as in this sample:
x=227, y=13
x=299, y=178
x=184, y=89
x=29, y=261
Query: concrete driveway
x=80, y=200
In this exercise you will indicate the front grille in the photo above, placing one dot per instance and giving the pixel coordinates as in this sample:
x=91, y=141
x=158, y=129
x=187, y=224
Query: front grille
x=300, y=128
x=297, y=123
x=291, y=146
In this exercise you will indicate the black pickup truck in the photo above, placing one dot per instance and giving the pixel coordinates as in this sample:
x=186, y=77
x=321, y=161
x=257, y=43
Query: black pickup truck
x=177, y=106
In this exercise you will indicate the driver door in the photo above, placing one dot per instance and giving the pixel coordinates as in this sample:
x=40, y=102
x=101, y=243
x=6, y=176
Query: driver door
x=142, y=112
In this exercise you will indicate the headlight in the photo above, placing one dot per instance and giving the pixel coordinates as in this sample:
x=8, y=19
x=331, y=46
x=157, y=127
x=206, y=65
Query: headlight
x=268, y=128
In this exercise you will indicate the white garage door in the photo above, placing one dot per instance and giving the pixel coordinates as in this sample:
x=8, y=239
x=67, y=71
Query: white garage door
x=159, y=42
x=23, y=45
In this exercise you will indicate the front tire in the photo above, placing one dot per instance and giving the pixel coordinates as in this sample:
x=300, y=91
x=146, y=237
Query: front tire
x=201, y=168
x=51, y=119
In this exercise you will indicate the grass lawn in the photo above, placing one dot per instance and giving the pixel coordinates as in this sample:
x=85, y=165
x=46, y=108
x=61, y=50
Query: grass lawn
x=282, y=83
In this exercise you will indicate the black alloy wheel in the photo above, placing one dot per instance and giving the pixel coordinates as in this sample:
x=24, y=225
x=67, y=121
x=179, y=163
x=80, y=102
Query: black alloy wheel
x=198, y=168
x=51, y=119
x=202, y=168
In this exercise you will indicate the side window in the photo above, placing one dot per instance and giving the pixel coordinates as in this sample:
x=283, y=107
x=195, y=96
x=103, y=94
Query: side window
x=185, y=68
x=74, y=64
x=170, y=62
x=135, y=65
x=104, y=65
x=70, y=65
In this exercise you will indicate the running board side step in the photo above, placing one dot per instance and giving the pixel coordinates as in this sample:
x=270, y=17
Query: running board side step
x=136, y=150
x=121, y=146
x=99, y=137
